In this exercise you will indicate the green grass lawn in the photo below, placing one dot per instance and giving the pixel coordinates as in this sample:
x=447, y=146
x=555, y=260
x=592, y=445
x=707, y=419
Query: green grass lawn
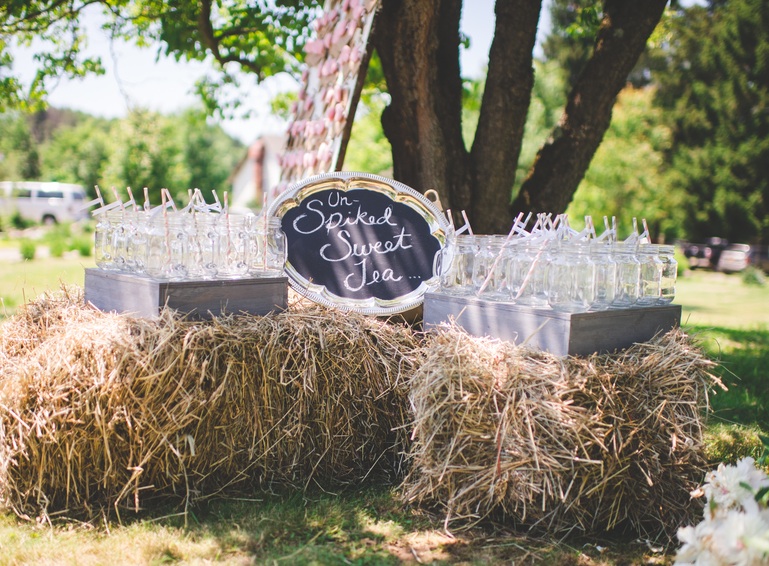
x=21, y=281
x=371, y=526
x=722, y=300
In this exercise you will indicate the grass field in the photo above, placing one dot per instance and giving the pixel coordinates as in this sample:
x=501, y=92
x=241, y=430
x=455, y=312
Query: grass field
x=720, y=299
x=21, y=281
x=370, y=526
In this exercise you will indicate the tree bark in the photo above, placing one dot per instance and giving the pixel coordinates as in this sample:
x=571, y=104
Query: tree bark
x=562, y=162
x=506, y=98
x=418, y=44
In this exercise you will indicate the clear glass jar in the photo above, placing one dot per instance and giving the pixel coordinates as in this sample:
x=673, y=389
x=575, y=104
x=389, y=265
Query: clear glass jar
x=157, y=257
x=107, y=220
x=234, y=243
x=650, y=275
x=204, y=249
x=120, y=240
x=267, y=246
x=178, y=245
x=167, y=247
x=457, y=278
x=490, y=269
x=527, y=273
x=628, y=275
x=669, y=274
x=571, y=278
x=601, y=254
x=136, y=241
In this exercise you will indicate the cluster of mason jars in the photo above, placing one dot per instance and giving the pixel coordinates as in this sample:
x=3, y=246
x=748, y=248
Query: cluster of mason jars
x=565, y=275
x=186, y=244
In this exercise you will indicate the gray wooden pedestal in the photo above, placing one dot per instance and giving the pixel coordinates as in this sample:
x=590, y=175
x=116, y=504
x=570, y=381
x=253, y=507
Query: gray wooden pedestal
x=145, y=296
x=544, y=329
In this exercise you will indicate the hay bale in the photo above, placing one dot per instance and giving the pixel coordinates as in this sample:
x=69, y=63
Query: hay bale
x=100, y=409
x=558, y=444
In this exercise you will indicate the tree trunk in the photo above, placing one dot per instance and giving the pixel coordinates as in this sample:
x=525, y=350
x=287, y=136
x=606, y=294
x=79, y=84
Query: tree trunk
x=418, y=44
x=506, y=98
x=562, y=162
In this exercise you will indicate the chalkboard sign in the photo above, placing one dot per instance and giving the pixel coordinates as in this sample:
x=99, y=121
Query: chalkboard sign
x=360, y=242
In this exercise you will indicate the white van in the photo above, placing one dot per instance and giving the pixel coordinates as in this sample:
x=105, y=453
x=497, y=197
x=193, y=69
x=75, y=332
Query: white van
x=46, y=203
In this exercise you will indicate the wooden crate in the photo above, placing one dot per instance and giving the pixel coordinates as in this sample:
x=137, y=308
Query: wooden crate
x=544, y=329
x=144, y=296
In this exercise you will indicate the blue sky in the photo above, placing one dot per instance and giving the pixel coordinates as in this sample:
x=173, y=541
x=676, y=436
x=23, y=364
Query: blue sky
x=135, y=78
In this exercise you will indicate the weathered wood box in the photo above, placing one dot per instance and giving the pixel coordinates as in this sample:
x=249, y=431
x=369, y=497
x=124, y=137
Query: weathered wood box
x=145, y=296
x=544, y=329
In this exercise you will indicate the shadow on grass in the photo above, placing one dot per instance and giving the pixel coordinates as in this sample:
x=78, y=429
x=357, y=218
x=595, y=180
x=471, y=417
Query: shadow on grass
x=371, y=525
x=743, y=357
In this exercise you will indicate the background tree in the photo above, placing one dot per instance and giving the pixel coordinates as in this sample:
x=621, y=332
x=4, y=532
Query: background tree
x=715, y=93
x=179, y=152
x=418, y=43
x=19, y=158
x=76, y=152
x=570, y=41
x=627, y=177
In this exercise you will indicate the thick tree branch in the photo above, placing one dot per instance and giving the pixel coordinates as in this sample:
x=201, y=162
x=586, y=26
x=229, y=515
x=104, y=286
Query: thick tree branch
x=563, y=160
x=418, y=44
x=211, y=40
x=506, y=98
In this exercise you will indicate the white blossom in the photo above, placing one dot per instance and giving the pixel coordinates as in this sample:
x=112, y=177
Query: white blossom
x=733, y=487
x=735, y=530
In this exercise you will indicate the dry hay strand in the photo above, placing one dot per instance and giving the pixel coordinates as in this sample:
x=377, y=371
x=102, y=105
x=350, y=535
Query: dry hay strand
x=100, y=409
x=596, y=444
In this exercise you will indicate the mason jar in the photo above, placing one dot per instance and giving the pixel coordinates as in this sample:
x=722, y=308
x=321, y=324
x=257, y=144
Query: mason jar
x=605, y=266
x=527, y=273
x=203, y=238
x=104, y=244
x=167, y=247
x=571, y=278
x=233, y=242
x=136, y=252
x=267, y=246
x=121, y=237
x=157, y=257
x=669, y=274
x=628, y=275
x=457, y=278
x=490, y=270
x=650, y=280
x=178, y=242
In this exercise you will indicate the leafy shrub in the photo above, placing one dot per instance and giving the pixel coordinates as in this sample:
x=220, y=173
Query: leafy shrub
x=58, y=237
x=60, y=231
x=83, y=245
x=753, y=276
x=19, y=222
x=57, y=247
x=683, y=261
x=28, y=249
